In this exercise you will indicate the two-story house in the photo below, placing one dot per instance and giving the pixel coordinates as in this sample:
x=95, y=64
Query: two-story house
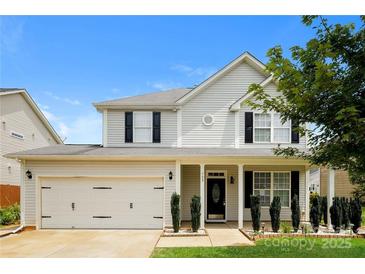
x=23, y=127
x=202, y=141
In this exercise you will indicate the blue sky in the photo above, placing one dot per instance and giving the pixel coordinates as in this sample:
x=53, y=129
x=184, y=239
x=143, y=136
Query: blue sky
x=68, y=62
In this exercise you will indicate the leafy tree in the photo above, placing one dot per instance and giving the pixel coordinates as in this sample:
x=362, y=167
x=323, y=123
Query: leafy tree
x=355, y=214
x=323, y=83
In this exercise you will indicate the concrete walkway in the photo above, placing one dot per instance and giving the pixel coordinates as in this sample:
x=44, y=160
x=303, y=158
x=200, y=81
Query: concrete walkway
x=80, y=244
x=218, y=235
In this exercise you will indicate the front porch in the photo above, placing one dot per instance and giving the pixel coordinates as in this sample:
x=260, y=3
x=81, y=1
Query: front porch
x=225, y=190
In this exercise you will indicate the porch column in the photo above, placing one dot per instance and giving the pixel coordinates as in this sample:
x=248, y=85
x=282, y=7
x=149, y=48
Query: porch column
x=202, y=195
x=330, y=193
x=240, y=196
x=307, y=182
x=178, y=177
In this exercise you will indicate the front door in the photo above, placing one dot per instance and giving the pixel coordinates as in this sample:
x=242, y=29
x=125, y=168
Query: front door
x=216, y=199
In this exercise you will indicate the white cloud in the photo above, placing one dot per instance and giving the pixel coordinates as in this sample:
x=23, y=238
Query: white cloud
x=50, y=116
x=84, y=129
x=63, y=99
x=193, y=72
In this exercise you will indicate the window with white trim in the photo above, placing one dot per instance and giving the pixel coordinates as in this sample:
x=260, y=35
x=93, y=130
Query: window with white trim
x=142, y=126
x=262, y=186
x=281, y=131
x=282, y=187
x=268, y=128
x=268, y=185
x=262, y=125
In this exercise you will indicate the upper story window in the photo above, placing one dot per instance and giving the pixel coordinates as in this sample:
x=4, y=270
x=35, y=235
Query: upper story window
x=269, y=129
x=142, y=129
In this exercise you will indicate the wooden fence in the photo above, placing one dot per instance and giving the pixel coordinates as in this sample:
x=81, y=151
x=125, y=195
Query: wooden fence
x=9, y=195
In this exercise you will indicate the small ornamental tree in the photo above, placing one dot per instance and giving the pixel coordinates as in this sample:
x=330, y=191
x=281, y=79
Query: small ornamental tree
x=336, y=214
x=345, y=212
x=195, y=207
x=295, y=213
x=355, y=216
x=275, y=209
x=175, y=211
x=324, y=209
x=314, y=214
x=255, y=212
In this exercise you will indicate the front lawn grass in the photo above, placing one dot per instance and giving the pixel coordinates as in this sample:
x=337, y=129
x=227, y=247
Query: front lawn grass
x=274, y=248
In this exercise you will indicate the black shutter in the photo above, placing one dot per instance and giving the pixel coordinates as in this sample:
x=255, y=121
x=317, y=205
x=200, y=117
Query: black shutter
x=156, y=127
x=248, y=188
x=294, y=132
x=248, y=127
x=294, y=183
x=128, y=136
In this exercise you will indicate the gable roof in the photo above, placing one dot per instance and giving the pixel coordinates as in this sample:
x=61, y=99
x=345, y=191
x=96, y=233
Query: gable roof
x=246, y=56
x=35, y=108
x=237, y=105
x=163, y=99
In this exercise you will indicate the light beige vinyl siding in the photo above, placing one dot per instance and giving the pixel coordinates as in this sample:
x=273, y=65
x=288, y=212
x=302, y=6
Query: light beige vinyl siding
x=190, y=186
x=90, y=169
x=18, y=116
x=343, y=186
x=116, y=130
x=216, y=100
x=272, y=91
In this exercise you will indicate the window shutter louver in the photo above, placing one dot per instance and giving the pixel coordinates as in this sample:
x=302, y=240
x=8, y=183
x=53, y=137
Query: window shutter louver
x=156, y=127
x=294, y=183
x=248, y=127
x=248, y=188
x=294, y=133
x=128, y=137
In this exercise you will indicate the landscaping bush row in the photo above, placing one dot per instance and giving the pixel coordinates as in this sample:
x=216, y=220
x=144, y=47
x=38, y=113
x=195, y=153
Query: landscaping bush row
x=194, y=210
x=9, y=215
x=345, y=213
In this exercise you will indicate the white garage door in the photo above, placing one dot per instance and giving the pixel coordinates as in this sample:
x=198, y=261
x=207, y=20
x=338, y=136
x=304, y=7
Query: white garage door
x=102, y=203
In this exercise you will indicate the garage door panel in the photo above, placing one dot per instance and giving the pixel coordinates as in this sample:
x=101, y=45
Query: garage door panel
x=102, y=203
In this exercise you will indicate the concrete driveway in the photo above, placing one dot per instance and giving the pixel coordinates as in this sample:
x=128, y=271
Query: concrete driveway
x=80, y=244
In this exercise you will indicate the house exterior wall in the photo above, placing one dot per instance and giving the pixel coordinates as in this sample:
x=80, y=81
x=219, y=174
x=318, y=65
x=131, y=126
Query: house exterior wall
x=190, y=187
x=216, y=100
x=343, y=186
x=93, y=169
x=116, y=130
x=17, y=116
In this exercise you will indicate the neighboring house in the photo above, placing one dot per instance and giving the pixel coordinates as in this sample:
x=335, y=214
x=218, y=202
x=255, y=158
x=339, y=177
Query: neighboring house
x=23, y=127
x=315, y=182
x=203, y=141
x=343, y=187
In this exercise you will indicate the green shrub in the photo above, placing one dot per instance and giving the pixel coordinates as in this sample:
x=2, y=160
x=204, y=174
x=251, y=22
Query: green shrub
x=336, y=214
x=275, y=209
x=345, y=212
x=175, y=211
x=195, y=207
x=286, y=228
x=10, y=215
x=355, y=214
x=324, y=209
x=314, y=214
x=255, y=212
x=312, y=195
x=295, y=213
